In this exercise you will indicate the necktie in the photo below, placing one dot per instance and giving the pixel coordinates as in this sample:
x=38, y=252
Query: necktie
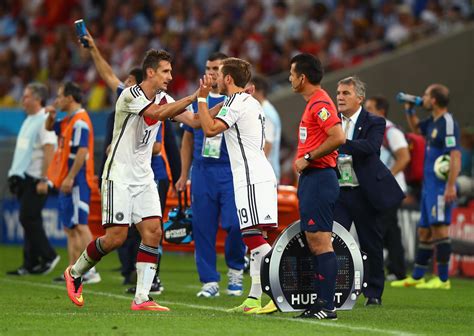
x=347, y=126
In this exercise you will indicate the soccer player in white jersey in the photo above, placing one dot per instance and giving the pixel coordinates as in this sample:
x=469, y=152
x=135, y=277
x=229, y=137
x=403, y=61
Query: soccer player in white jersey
x=242, y=121
x=129, y=193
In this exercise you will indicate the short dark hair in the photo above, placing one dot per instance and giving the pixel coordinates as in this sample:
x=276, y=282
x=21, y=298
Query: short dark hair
x=441, y=94
x=381, y=103
x=238, y=69
x=153, y=58
x=39, y=91
x=72, y=89
x=261, y=84
x=137, y=73
x=310, y=66
x=217, y=56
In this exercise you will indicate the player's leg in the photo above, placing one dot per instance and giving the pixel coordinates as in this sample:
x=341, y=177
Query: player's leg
x=163, y=187
x=257, y=209
x=98, y=248
x=115, y=219
x=316, y=212
x=81, y=194
x=146, y=212
x=65, y=212
x=205, y=220
x=234, y=246
x=442, y=243
x=425, y=248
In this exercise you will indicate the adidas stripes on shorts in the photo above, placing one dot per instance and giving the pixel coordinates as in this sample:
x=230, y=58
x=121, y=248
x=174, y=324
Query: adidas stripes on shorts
x=124, y=204
x=257, y=205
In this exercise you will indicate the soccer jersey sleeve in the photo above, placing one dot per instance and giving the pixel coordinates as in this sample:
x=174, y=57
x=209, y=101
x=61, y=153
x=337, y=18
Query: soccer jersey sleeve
x=451, y=140
x=80, y=136
x=325, y=116
x=228, y=115
x=132, y=100
x=396, y=139
x=269, y=128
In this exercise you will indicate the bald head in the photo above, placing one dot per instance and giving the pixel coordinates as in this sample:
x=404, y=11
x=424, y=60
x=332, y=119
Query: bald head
x=440, y=93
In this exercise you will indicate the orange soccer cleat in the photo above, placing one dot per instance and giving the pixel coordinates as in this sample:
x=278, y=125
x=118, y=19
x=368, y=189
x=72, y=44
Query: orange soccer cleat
x=148, y=305
x=74, y=287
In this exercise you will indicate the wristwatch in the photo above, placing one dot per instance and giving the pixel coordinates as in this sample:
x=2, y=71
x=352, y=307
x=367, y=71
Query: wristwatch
x=307, y=157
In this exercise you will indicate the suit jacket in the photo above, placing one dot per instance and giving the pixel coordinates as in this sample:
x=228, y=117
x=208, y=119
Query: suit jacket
x=375, y=179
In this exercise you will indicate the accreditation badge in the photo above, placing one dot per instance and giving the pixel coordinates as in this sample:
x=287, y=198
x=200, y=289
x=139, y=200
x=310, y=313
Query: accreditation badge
x=303, y=134
x=211, y=147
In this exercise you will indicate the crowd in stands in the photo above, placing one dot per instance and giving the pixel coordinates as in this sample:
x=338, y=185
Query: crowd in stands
x=38, y=42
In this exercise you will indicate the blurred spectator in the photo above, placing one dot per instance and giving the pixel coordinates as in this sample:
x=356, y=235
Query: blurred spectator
x=272, y=123
x=267, y=33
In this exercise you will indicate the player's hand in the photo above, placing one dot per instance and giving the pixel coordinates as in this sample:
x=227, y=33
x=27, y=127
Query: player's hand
x=409, y=108
x=90, y=40
x=450, y=193
x=172, y=192
x=205, y=86
x=181, y=183
x=66, y=186
x=300, y=165
x=42, y=188
x=51, y=111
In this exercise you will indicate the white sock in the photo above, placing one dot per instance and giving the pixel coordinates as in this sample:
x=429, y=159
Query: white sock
x=82, y=265
x=145, y=274
x=256, y=256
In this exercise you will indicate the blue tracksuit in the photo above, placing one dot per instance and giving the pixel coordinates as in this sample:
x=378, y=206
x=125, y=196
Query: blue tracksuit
x=442, y=136
x=212, y=193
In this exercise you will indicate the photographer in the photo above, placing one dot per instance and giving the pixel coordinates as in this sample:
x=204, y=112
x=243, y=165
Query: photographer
x=26, y=180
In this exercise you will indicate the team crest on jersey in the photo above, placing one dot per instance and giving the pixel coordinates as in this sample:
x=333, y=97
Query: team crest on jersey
x=303, y=134
x=119, y=216
x=324, y=114
x=450, y=141
x=434, y=133
x=222, y=112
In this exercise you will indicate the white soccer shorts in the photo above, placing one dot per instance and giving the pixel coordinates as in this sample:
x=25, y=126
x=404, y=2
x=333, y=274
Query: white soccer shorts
x=257, y=204
x=124, y=204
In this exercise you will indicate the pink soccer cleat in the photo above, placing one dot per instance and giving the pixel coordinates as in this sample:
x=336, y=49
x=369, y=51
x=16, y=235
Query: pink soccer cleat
x=74, y=288
x=148, y=305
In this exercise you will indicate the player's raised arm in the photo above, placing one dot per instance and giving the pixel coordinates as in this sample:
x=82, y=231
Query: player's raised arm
x=103, y=68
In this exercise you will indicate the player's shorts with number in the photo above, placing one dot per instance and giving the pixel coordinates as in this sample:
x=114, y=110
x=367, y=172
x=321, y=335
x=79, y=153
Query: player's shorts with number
x=125, y=204
x=257, y=205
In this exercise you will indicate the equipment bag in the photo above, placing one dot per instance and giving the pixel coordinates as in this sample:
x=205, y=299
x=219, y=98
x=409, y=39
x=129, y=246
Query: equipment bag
x=178, y=229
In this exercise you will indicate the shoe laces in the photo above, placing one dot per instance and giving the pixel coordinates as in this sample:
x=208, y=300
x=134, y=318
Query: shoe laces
x=77, y=284
x=235, y=277
x=210, y=287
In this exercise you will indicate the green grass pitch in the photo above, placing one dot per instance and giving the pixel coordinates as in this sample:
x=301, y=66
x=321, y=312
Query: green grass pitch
x=33, y=305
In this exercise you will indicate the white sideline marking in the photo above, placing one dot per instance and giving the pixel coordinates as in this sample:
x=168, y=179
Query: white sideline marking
x=331, y=324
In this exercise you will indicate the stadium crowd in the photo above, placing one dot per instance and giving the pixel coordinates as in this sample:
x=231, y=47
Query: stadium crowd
x=37, y=40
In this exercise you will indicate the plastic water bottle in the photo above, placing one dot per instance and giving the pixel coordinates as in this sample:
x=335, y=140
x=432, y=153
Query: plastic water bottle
x=403, y=97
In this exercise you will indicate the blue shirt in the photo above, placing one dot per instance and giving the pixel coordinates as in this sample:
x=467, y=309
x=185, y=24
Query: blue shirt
x=212, y=100
x=442, y=136
x=157, y=161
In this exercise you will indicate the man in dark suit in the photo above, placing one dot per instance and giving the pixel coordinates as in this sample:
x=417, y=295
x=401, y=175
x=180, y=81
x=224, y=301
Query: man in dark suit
x=367, y=186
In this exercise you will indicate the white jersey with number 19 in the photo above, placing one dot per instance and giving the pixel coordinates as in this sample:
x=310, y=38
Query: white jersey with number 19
x=129, y=159
x=245, y=139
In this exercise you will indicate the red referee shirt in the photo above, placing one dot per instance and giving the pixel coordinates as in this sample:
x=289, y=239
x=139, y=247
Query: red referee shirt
x=319, y=116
